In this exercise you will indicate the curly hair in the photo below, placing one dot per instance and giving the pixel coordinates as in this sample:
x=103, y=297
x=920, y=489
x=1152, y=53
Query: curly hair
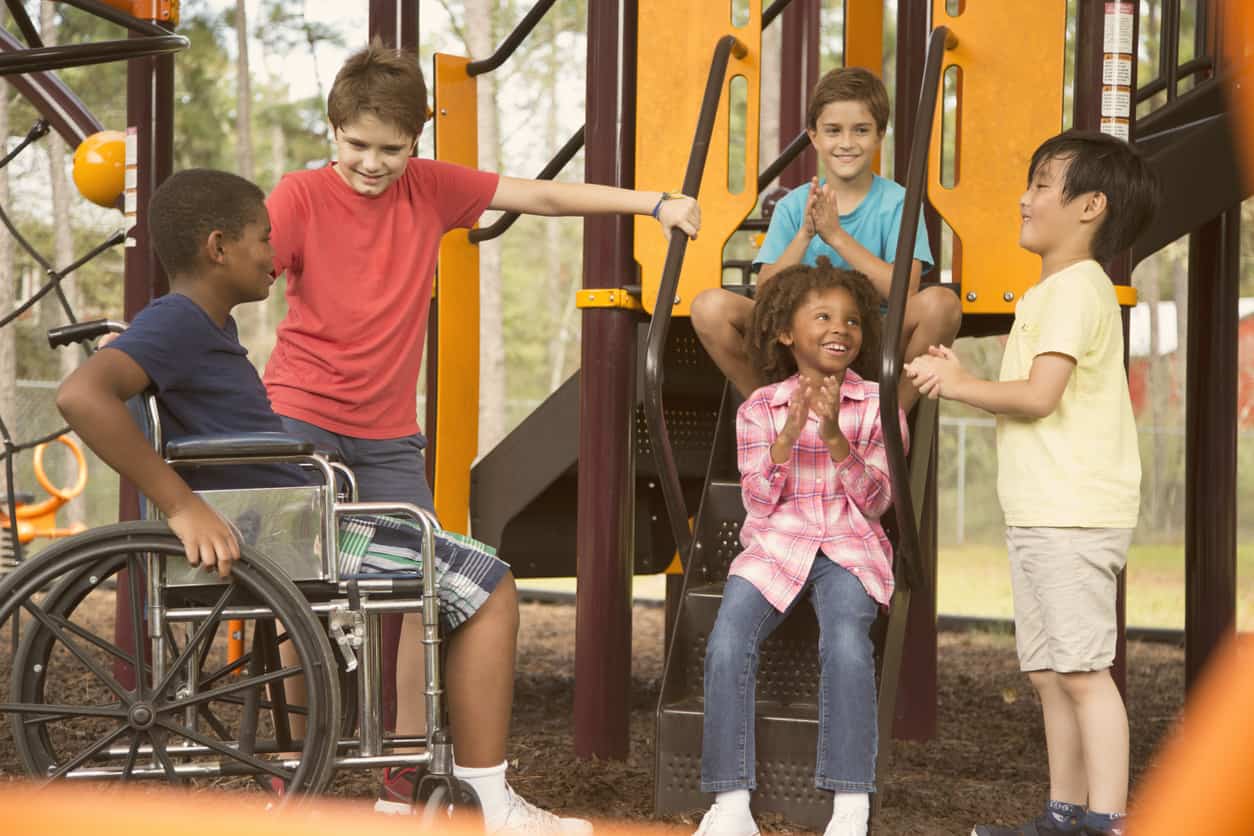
x=777, y=304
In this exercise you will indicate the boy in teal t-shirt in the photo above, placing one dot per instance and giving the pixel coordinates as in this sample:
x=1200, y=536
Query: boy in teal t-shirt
x=852, y=216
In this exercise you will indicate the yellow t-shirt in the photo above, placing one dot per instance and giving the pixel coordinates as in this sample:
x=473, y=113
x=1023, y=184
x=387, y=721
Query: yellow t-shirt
x=1078, y=466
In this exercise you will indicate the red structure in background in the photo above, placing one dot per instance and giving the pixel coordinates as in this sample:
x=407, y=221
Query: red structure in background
x=1138, y=373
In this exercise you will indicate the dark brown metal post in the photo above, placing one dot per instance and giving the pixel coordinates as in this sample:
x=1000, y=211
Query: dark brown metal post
x=916, y=694
x=606, y=499
x=149, y=109
x=1087, y=115
x=395, y=23
x=1211, y=440
x=799, y=72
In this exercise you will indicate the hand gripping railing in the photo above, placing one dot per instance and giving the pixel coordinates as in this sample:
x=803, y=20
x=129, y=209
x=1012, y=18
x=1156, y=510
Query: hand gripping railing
x=908, y=551
x=668, y=474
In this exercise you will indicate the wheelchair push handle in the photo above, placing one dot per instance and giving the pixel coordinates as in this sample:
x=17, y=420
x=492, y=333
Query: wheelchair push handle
x=79, y=332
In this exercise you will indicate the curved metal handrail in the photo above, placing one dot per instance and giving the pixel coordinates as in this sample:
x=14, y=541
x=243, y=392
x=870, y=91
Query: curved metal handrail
x=668, y=473
x=908, y=551
x=155, y=40
x=564, y=155
x=512, y=41
x=794, y=150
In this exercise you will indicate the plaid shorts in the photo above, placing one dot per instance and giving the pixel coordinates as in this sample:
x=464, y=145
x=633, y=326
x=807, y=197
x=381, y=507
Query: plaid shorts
x=466, y=570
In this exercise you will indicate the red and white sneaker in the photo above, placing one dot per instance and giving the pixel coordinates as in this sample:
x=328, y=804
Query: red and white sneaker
x=396, y=793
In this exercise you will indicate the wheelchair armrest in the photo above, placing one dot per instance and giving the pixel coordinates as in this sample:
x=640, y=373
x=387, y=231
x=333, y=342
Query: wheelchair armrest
x=236, y=445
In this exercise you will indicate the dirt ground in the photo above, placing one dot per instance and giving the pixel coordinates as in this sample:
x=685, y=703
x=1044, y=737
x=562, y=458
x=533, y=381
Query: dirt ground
x=986, y=762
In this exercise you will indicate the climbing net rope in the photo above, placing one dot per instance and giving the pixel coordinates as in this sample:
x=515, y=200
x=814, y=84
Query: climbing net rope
x=10, y=544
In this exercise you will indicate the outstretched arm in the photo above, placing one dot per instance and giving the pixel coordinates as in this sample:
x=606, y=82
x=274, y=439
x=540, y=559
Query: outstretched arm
x=546, y=197
x=93, y=402
x=940, y=374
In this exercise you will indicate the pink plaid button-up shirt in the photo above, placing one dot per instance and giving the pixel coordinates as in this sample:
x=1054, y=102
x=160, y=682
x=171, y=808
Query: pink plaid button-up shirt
x=811, y=504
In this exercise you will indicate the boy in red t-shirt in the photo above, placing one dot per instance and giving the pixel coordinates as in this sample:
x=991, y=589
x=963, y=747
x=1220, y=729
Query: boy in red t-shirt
x=358, y=240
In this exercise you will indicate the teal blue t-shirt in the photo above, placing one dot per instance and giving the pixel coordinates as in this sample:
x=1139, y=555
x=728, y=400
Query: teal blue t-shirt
x=874, y=224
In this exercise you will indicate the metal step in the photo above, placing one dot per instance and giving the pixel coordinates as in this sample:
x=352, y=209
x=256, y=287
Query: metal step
x=786, y=741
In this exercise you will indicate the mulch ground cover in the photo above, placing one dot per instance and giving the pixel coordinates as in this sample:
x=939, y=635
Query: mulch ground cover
x=986, y=762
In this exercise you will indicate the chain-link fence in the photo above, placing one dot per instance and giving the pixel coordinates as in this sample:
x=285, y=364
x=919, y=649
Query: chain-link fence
x=967, y=476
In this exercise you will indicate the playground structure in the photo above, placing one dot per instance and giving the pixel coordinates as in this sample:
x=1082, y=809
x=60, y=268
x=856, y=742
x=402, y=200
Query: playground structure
x=39, y=519
x=615, y=501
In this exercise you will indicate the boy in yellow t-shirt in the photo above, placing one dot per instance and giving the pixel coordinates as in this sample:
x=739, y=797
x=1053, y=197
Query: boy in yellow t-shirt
x=1069, y=473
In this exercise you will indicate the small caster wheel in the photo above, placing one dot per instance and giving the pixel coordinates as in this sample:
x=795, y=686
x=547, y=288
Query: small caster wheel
x=443, y=799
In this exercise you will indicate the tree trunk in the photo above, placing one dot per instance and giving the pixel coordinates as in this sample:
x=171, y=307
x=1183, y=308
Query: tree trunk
x=492, y=389
x=557, y=284
x=768, y=124
x=8, y=284
x=1157, y=390
x=63, y=255
x=254, y=330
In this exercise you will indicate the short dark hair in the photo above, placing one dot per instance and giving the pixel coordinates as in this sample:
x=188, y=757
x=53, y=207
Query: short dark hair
x=381, y=81
x=846, y=84
x=1098, y=162
x=193, y=203
x=777, y=304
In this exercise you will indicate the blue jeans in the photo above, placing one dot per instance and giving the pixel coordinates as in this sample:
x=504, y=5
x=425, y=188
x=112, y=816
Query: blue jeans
x=387, y=469
x=848, y=735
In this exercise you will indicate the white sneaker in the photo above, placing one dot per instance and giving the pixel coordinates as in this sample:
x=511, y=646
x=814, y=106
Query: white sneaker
x=521, y=816
x=849, y=815
x=721, y=820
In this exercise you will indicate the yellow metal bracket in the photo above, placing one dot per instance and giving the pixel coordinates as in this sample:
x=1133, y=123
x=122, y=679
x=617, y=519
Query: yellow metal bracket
x=607, y=297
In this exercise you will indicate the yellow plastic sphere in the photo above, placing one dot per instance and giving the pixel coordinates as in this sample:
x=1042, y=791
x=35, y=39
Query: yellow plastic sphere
x=100, y=167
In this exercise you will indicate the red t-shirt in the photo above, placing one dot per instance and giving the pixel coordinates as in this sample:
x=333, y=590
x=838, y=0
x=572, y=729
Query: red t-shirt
x=359, y=277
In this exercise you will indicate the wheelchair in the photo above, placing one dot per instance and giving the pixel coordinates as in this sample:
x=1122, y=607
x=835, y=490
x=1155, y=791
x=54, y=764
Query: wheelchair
x=161, y=698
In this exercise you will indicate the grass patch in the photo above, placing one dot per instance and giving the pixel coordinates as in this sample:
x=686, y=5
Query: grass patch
x=975, y=580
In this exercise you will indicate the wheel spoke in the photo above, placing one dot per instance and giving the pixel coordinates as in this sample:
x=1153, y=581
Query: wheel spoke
x=226, y=670
x=56, y=712
x=112, y=684
x=129, y=766
x=214, y=723
x=92, y=750
x=163, y=756
x=196, y=737
x=87, y=635
x=234, y=687
x=133, y=576
x=264, y=705
x=202, y=630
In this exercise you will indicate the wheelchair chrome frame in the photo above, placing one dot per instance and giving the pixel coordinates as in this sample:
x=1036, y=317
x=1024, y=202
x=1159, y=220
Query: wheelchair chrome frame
x=371, y=744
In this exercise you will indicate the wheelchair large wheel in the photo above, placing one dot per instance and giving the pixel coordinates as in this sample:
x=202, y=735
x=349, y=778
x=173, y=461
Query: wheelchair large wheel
x=83, y=702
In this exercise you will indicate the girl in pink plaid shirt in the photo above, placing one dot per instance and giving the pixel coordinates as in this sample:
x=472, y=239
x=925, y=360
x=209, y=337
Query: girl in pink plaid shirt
x=814, y=476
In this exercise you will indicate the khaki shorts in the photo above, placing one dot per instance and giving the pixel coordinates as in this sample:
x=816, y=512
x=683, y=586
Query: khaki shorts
x=1064, y=582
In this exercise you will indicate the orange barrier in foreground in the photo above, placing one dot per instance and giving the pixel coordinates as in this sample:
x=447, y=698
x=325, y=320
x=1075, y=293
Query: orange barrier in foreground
x=1203, y=782
x=151, y=811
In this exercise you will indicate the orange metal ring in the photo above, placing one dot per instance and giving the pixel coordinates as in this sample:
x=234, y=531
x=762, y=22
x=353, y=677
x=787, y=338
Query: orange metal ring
x=44, y=482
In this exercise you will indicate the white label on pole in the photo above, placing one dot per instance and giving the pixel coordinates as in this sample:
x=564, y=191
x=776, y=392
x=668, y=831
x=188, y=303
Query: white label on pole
x=132, y=145
x=1115, y=127
x=1118, y=29
x=1116, y=101
x=1117, y=69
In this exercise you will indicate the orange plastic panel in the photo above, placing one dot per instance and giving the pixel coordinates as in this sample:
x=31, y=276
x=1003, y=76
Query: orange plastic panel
x=864, y=41
x=1010, y=58
x=163, y=10
x=864, y=34
x=457, y=290
x=675, y=47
